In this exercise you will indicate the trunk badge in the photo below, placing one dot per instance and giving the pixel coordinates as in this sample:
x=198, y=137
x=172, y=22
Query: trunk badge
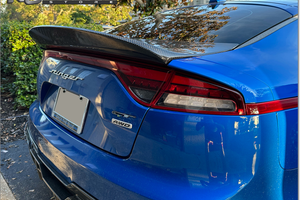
x=119, y=114
x=121, y=123
x=65, y=76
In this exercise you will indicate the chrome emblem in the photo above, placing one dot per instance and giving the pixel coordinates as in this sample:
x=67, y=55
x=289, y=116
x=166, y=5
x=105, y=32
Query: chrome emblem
x=119, y=114
x=121, y=123
x=65, y=76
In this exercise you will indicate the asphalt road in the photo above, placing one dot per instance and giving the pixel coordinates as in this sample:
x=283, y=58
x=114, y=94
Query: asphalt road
x=20, y=173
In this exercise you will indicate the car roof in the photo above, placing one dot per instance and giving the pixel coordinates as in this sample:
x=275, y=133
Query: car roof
x=290, y=6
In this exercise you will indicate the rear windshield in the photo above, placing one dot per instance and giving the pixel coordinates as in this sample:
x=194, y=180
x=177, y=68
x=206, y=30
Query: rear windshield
x=201, y=27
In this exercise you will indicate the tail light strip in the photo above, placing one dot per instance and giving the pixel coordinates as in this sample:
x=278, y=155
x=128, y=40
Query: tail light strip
x=169, y=89
x=271, y=106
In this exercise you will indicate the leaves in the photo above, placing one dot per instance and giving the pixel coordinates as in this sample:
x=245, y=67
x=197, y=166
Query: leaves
x=21, y=58
x=66, y=15
x=150, y=7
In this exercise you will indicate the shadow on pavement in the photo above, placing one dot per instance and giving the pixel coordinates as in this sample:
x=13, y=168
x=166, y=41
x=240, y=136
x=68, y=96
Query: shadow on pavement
x=20, y=173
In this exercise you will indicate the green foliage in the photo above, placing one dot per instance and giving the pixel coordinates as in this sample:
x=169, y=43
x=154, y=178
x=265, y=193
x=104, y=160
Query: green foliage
x=110, y=15
x=80, y=17
x=20, y=57
x=66, y=15
x=150, y=7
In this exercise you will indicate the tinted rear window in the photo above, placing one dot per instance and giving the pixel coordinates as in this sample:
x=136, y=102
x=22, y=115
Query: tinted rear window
x=231, y=23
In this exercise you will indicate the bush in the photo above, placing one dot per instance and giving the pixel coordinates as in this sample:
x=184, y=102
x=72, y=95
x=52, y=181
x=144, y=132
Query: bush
x=21, y=57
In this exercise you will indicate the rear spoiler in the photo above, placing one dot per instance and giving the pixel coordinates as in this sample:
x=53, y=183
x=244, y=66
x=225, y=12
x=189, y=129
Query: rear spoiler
x=88, y=41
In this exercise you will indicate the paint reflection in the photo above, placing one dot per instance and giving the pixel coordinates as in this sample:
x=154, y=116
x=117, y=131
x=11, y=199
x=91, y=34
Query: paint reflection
x=229, y=153
x=184, y=30
x=210, y=152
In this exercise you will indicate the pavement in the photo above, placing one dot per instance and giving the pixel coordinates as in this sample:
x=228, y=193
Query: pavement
x=5, y=192
x=19, y=178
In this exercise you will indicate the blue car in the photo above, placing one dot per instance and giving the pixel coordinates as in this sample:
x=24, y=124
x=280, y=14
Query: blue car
x=199, y=102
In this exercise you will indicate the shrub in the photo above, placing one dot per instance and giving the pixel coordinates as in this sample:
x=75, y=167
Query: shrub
x=21, y=57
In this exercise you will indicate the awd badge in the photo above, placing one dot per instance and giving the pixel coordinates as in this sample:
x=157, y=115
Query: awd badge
x=121, y=123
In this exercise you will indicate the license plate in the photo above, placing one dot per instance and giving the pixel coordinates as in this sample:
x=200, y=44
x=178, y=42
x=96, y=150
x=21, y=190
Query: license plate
x=70, y=110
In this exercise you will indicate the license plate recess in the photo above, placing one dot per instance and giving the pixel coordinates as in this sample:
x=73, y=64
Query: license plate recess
x=70, y=110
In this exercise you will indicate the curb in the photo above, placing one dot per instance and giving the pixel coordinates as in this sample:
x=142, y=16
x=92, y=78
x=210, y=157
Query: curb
x=5, y=192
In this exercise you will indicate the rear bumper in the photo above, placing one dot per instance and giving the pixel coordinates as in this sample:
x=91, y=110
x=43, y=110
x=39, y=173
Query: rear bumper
x=72, y=167
x=57, y=184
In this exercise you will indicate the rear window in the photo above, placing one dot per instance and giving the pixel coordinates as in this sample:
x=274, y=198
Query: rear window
x=200, y=27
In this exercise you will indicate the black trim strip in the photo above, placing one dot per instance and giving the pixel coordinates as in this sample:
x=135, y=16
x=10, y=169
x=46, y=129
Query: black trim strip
x=267, y=32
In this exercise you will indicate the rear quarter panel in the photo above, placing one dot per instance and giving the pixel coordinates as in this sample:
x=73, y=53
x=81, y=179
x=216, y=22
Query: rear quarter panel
x=272, y=60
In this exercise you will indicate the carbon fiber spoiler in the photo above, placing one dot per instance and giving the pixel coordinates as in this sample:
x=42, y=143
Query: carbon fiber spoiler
x=88, y=41
x=77, y=39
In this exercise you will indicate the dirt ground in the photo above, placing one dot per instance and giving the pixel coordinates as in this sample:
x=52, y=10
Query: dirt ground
x=12, y=120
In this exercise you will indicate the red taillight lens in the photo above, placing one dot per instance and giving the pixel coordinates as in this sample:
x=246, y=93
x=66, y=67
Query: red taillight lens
x=184, y=93
x=271, y=106
x=167, y=89
x=142, y=82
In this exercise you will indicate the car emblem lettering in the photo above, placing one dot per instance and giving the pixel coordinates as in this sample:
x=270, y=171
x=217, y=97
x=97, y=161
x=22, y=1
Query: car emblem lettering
x=119, y=114
x=65, y=76
x=121, y=123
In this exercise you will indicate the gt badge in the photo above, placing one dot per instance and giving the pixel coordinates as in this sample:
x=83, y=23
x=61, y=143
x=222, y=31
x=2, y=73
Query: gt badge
x=121, y=123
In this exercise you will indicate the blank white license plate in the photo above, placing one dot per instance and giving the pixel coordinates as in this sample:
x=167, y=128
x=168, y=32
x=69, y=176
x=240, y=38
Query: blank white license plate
x=70, y=109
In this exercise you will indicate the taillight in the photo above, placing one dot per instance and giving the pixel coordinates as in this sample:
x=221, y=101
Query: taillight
x=143, y=83
x=168, y=90
x=184, y=93
x=271, y=106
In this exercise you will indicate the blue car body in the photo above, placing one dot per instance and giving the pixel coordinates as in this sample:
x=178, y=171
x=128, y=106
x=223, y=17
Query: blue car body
x=170, y=154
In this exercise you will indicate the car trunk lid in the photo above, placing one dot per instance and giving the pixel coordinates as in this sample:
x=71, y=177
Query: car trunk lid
x=90, y=102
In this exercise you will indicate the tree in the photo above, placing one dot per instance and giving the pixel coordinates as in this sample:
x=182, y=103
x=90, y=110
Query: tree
x=81, y=16
x=150, y=7
x=20, y=11
x=110, y=14
x=59, y=14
